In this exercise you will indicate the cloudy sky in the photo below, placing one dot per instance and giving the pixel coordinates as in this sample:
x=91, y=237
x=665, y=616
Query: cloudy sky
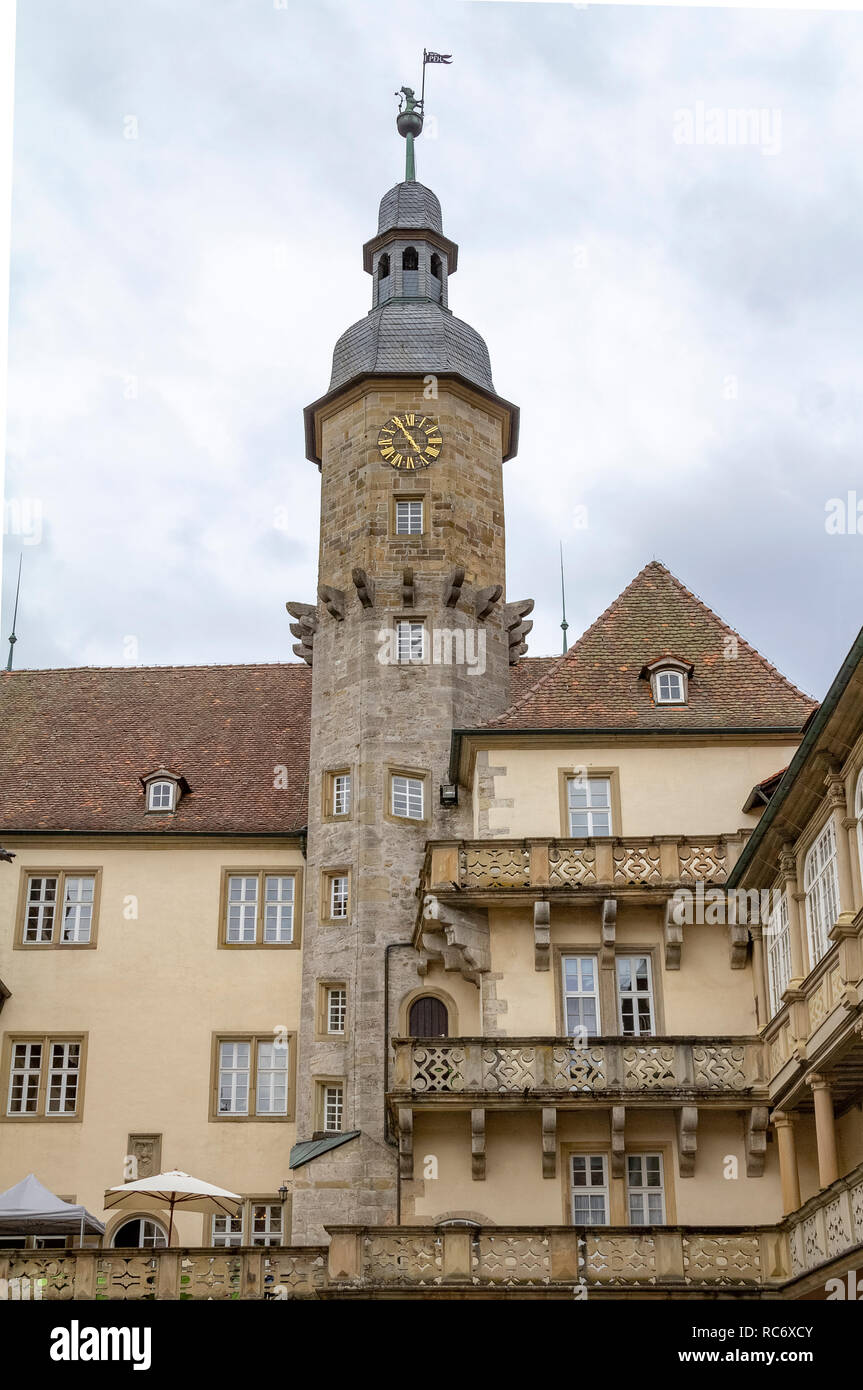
x=677, y=314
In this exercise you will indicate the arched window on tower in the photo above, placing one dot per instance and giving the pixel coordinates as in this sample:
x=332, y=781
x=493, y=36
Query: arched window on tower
x=436, y=280
x=410, y=271
x=428, y=1018
x=383, y=277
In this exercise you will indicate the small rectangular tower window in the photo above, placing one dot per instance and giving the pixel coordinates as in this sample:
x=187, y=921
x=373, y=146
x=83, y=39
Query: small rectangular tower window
x=410, y=641
x=409, y=517
x=337, y=1008
x=406, y=797
x=332, y=1101
x=338, y=895
x=341, y=794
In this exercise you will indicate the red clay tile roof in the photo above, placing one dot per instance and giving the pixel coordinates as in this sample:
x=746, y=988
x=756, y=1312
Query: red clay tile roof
x=75, y=743
x=596, y=685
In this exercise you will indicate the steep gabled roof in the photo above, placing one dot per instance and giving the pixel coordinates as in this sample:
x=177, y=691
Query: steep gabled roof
x=598, y=685
x=75, y=743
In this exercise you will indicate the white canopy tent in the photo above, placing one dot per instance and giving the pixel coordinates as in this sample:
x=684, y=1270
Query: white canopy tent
x=29, y=1209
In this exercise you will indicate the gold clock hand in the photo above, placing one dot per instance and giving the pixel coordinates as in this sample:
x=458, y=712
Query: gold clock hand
x=407, y=435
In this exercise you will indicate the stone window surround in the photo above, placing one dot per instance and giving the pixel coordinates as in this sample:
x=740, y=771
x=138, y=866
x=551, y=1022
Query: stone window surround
x=252, y=1037
x=61, y=874
x=321, y=1083
x=609, y=1008
x=419, y=774
x=254, y=871
x=327, y=788
x=46, y=1039
x=322, y=1033
x=327, y=875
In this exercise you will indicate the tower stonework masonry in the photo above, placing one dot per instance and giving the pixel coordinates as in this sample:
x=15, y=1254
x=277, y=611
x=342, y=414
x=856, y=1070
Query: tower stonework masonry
x=411, y=637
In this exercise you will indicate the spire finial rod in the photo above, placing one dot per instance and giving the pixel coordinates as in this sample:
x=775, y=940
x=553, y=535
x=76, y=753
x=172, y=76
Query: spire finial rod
x=409, y=121
x=564, y=625
x=12, y=638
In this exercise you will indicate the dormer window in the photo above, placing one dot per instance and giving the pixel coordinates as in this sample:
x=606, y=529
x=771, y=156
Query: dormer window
x=669, y=680
x=163, y=790
x=160, y=796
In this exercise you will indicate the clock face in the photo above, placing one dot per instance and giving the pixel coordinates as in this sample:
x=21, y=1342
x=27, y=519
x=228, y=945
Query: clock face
x=410, y=441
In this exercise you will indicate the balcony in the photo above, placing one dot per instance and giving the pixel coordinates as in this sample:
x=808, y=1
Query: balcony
x=823, y=1239
x=524, y=1071
x=478, y=868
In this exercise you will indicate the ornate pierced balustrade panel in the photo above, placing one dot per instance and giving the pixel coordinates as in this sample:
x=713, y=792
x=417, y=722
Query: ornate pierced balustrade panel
x=637, y=864
x=408, y=1259
x=212, y=1277
x=511, y=1259
x=718, y=1259
x=294, y=1272
x=127, y=1276
x=558, y=1066
x=619, y=1259
x=486, y=865
x=705, y=862
x=571, y=866
x=829, y=1224
x=47, y=1276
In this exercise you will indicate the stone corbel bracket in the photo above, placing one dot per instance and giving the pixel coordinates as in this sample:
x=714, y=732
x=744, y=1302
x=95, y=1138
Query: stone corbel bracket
x=408, y=588
x=458, y=938
x=452, y=587
x=618, y=1141
x=756, y=1141
x=673, y=931
x=687, y=1140
x=333, y=600
x=549, y=1142
x=608, y=932
x=514, y=615
x=738, y=944
x=304, y=628
x=487, y=601
x=364, y=586
x=542, y=936
x=477, y=1144
x=406, y=1142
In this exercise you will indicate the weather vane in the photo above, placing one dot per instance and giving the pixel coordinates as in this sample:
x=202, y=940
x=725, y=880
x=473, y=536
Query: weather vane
x=409, y=120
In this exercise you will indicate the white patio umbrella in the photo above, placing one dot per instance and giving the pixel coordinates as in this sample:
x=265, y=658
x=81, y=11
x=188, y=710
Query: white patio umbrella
x=170, y=1190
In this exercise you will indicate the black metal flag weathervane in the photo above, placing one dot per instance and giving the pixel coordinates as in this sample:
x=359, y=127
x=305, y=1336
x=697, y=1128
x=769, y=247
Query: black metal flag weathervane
x=411, y=112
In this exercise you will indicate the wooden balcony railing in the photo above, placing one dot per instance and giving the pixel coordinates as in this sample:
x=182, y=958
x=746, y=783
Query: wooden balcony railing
x=555, y=1067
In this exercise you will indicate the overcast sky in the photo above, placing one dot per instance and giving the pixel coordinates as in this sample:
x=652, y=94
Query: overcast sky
x=679, y=319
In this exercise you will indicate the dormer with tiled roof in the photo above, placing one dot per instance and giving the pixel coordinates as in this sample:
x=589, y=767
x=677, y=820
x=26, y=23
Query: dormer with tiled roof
x=598, y=684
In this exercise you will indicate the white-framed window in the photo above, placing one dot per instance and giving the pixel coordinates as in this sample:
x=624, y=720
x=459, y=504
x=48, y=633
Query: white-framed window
x=580, y=996
x=669, y=688
x=409, y=518
x=242, y=908
x=635, y=995
x=821, y=886
x=589, y=1190
x=25, y=1074
x=234, y=1072
x=645, y=1189
x=338, y=894
x=410, y=641
x=161, y=796
x=332, y=1104
x=44, y=1077
x=77, y=893
x=253, y=1076
x=341, y=794
x=266, y=1223
x=271, y=1090
x=227, y=1230
x=260, y=909
x=407, y=797
x=589, y=804
x=778, y=954
x=337, y=1008
x=278, y=909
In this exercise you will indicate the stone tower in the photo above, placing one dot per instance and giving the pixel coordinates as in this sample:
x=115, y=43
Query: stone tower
x=411, y=416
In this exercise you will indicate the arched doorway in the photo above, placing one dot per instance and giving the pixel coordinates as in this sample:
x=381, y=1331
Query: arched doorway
x=428, y=1018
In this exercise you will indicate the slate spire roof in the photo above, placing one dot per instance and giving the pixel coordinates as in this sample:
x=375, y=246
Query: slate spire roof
x=599, y=684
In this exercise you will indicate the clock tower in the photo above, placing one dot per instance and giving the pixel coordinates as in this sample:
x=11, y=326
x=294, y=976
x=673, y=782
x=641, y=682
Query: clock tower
x=410, y=637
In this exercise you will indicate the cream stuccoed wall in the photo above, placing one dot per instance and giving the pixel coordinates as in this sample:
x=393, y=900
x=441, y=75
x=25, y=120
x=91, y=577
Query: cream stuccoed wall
x=514, y=1192
x=667, y=786
x=705, y=997
x=150, y=996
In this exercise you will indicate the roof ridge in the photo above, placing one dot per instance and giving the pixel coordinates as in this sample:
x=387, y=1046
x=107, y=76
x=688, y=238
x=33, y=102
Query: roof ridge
x=759, y=656
x=565, y=656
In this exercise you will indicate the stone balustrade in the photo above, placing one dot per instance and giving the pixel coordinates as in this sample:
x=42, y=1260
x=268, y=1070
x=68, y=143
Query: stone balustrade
x=482, y=866
x=828, y=1225
x=560, y=1067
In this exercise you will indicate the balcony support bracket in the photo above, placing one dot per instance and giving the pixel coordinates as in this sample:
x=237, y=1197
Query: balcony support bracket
x=549, y=1142
x=477, y=1144
x=756, y=1141
x=618, y=1123
x=609, y=927
x=687, y=1140
x=542, y=936
x=406, y=1142
x=673, y=934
